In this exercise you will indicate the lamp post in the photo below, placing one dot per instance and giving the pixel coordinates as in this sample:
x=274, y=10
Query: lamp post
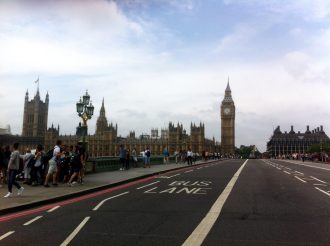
x=85, y=111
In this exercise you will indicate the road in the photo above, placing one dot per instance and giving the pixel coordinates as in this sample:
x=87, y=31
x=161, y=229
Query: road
x=233, y=202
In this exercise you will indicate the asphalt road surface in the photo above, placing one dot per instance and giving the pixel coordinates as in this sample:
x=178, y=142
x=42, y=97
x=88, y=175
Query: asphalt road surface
x=233, y=202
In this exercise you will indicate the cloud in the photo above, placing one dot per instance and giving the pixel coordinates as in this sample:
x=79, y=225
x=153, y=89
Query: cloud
x=316, y=10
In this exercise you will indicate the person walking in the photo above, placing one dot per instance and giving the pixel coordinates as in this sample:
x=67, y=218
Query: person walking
x=3, y=166
x=189, y=156
x=122, y=157
x=134, y=157
x=27, y=158
x=36, y=172
x=128, y=156
x=76, y=164
x=7, y=154
x=147, y=157
x=166, y=155
x=83, y=158
x=52, y=169
x=13, y=166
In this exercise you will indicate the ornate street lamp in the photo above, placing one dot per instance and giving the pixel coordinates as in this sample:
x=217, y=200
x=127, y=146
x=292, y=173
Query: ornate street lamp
x=85, y=111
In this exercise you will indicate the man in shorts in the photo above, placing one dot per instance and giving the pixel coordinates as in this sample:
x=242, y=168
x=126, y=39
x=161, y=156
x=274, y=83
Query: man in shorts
x=52, y=169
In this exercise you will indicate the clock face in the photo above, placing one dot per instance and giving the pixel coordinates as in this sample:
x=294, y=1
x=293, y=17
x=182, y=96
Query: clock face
x=226, y=110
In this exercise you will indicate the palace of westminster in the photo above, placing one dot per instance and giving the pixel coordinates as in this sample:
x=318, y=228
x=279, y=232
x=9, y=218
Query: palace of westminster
x=106, y=142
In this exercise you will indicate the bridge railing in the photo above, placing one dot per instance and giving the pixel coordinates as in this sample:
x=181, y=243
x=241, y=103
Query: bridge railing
x=112, y=163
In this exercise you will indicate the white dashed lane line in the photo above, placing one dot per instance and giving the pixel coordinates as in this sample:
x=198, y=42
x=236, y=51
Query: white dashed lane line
x=33, y=220
x=189, y=171
x=139, y=188
x=6, y=235
x=53, y=209
x=300, y=179
x=286, y=172
x=318, y=180
x=168, y=177
x=324, y=192
x=75, y=232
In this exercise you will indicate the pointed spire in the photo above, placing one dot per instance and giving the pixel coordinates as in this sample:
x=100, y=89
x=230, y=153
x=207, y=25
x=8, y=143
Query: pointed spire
x=47, y=97
x=102, y=110
x=228, y=86
x=27, y=95
x=228, y=97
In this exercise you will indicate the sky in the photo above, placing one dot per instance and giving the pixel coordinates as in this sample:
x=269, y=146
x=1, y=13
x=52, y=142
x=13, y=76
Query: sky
x=161, y=61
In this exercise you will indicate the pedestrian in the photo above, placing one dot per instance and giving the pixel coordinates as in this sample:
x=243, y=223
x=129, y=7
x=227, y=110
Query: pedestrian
x=52, y=164
x=36, y=172
x=3, y=168
x=27, y=167
x=176, y=154
x=147, y=157
x=122, y=157
x=7, y=154
x=13, y=166
x=128, y=153
x=166, y=155
x=83, y=157
x=189, y=156
x=134, y=157
x=76, y=164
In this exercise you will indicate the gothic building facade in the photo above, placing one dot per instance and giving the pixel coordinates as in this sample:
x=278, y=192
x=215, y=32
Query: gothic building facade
x=288, y=143
x=35, y=116
x=105, y=141
x=227, y=112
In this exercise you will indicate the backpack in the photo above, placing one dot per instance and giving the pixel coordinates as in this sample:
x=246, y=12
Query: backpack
x=75, y=160
x=31, y=162
x=46, y=157
x=148, y=153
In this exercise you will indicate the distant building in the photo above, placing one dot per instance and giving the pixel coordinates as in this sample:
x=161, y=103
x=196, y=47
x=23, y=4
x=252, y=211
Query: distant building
x=35, y=116
x=288, y=143
x=5, y=131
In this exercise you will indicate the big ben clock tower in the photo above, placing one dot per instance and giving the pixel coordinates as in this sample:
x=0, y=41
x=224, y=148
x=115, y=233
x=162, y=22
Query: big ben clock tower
x=228, y=123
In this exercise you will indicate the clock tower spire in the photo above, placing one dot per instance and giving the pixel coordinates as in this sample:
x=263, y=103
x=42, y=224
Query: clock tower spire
x=227, y=111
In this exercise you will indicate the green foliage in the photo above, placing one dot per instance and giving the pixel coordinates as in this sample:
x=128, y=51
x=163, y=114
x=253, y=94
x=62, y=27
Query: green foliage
x=245, y=151
x=316, y=148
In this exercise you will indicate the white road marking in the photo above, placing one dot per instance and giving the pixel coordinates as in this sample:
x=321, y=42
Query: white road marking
x=324, y=192
x=309, y=166
x=53, y=209
x=320, y=185
x=286, y=172
x=279, y=168
x=101, y=203
x=299, y=172
x=6, y=235
x=75, y=232
x=199, y=168
x=149, y=191
x=168, y=177
x=318, y=180
x=33, y=220
x=147, y=185
x=300, y=179
x=199, y=234
x=189, y=171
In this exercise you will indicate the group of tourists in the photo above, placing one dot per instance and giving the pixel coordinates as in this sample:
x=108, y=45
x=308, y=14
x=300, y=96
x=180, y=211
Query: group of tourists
x=126, y=155
x=63, y=163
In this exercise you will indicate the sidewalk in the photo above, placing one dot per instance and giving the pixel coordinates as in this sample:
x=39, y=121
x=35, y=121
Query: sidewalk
x=39, y=195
